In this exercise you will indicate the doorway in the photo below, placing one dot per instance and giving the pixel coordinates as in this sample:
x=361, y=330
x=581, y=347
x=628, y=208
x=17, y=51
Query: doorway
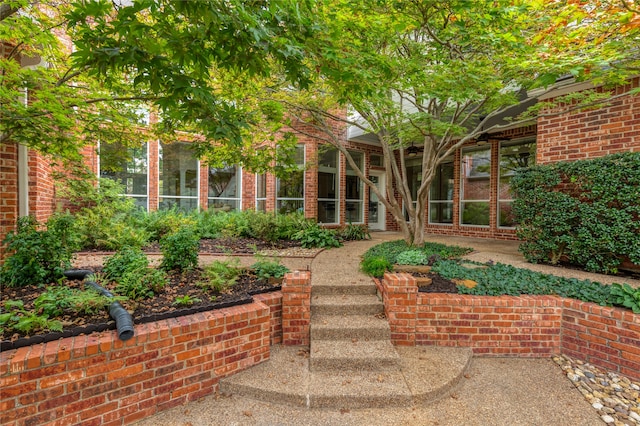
x=377, y=211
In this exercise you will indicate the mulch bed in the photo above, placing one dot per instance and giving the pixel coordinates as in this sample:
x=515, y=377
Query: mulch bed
x=234, y=246
x=438, y=284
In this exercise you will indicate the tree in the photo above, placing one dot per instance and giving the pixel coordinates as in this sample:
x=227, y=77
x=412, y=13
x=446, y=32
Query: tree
x=435, y=74
x=177, y=58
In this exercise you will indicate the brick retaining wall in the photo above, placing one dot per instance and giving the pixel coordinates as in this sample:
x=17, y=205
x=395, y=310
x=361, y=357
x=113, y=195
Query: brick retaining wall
x=100, y=380
x=525, y=326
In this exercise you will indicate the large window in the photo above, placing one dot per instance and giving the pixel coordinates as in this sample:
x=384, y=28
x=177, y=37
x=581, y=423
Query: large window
x=513, y=156
x=225, y=188
x=476, y=186
x=129, y=167
x=354, y=191
x=290, y=189
x=441, y=194
x=328, y=186
x=261, y=192
x=178, y=180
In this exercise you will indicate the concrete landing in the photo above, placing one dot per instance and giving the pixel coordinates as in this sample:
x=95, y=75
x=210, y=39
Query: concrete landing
x=425, y=374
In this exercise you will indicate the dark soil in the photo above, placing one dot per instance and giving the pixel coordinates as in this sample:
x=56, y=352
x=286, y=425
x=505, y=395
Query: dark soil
x=438, y=284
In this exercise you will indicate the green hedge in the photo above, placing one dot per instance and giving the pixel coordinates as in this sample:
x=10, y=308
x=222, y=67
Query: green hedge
x=585, y=212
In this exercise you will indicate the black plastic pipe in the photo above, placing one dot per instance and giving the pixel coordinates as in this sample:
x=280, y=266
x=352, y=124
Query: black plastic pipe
x=123, y=319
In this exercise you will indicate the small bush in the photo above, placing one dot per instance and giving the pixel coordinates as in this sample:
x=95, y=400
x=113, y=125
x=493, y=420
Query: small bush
x=186, y=300
x=220, y=275
x=125, y=260
x=180, y=250
x=102, y=221
x=265, y=269
x=141, y=283
x=37, y=257
x=314, y=236
x=354, y=233
x=163, y=222
x=376, y=266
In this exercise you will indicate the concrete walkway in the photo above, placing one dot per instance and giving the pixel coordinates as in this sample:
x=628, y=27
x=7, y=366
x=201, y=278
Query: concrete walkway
x=494, y=391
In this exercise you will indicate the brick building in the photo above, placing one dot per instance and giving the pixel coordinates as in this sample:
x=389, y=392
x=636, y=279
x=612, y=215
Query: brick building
x=469, y=196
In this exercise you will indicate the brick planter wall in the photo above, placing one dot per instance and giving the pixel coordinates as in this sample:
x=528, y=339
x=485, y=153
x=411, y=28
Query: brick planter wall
x=100, y=380
x=525, y=326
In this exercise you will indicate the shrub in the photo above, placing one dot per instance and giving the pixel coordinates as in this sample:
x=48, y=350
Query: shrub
x=354, y=233
x=37, y=257
x=290, y=224
x=586, y=211
x=141, y=283
x=180, y=250
x=263, y=226
x=265, y=269
x=314, y=236
x=412, y=257
x=163, y=222
x=125, y=260
x=103, y=217
x=376, y=266
x=220, y=275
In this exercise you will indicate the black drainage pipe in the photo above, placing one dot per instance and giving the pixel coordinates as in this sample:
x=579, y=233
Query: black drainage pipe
x=123, y=319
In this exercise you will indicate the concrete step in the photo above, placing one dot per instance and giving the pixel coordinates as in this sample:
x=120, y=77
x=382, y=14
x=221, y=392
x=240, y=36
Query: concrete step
x=425, y=374
x=346, y=305
x=358, y=389
x=348, y=327
x=352, y=355
x=355, y=287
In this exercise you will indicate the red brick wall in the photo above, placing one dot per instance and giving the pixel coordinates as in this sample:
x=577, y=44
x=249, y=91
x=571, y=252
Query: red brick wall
x=8, y=191
x=100, y=380
x=590, y=134
x=607, y=337
x=526, y=326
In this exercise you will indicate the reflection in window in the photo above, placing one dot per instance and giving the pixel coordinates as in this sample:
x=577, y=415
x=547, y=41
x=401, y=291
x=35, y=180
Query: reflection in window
x=476, y=186
x=261, y=192
x=354, y=191
x=512, y=158
x=290, y=189
x=224, y=188
x=178, y=180
x=441, y=194
x=328, y=186
x=127, y=166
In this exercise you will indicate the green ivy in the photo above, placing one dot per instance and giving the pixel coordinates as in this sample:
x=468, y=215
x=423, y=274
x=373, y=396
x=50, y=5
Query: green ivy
x=585, y=212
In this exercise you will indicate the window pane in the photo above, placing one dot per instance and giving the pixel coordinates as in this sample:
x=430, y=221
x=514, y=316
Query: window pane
x=441, y=212
x=261, y=186
x=224, y=183
x=178, y=170
x=290, y=206
x=354, y=212
x=476, y=174
x=127, y=166
x=328, y=186
x=178, y=176
x=289, y=189
x=512, y=158
x=475, y=213
x=292, y=186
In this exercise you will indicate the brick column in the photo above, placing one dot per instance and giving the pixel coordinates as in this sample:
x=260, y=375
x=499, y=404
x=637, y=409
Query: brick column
x=400, y=304
x=296, y=308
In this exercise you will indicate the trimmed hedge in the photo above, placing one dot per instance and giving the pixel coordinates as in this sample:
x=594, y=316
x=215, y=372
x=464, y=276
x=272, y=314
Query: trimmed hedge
x=585, y=212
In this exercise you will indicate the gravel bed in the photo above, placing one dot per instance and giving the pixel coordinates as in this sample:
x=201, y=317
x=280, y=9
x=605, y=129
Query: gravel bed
x=615, y=397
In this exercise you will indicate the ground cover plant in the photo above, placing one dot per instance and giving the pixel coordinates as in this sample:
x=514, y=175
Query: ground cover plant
x=493, y=279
